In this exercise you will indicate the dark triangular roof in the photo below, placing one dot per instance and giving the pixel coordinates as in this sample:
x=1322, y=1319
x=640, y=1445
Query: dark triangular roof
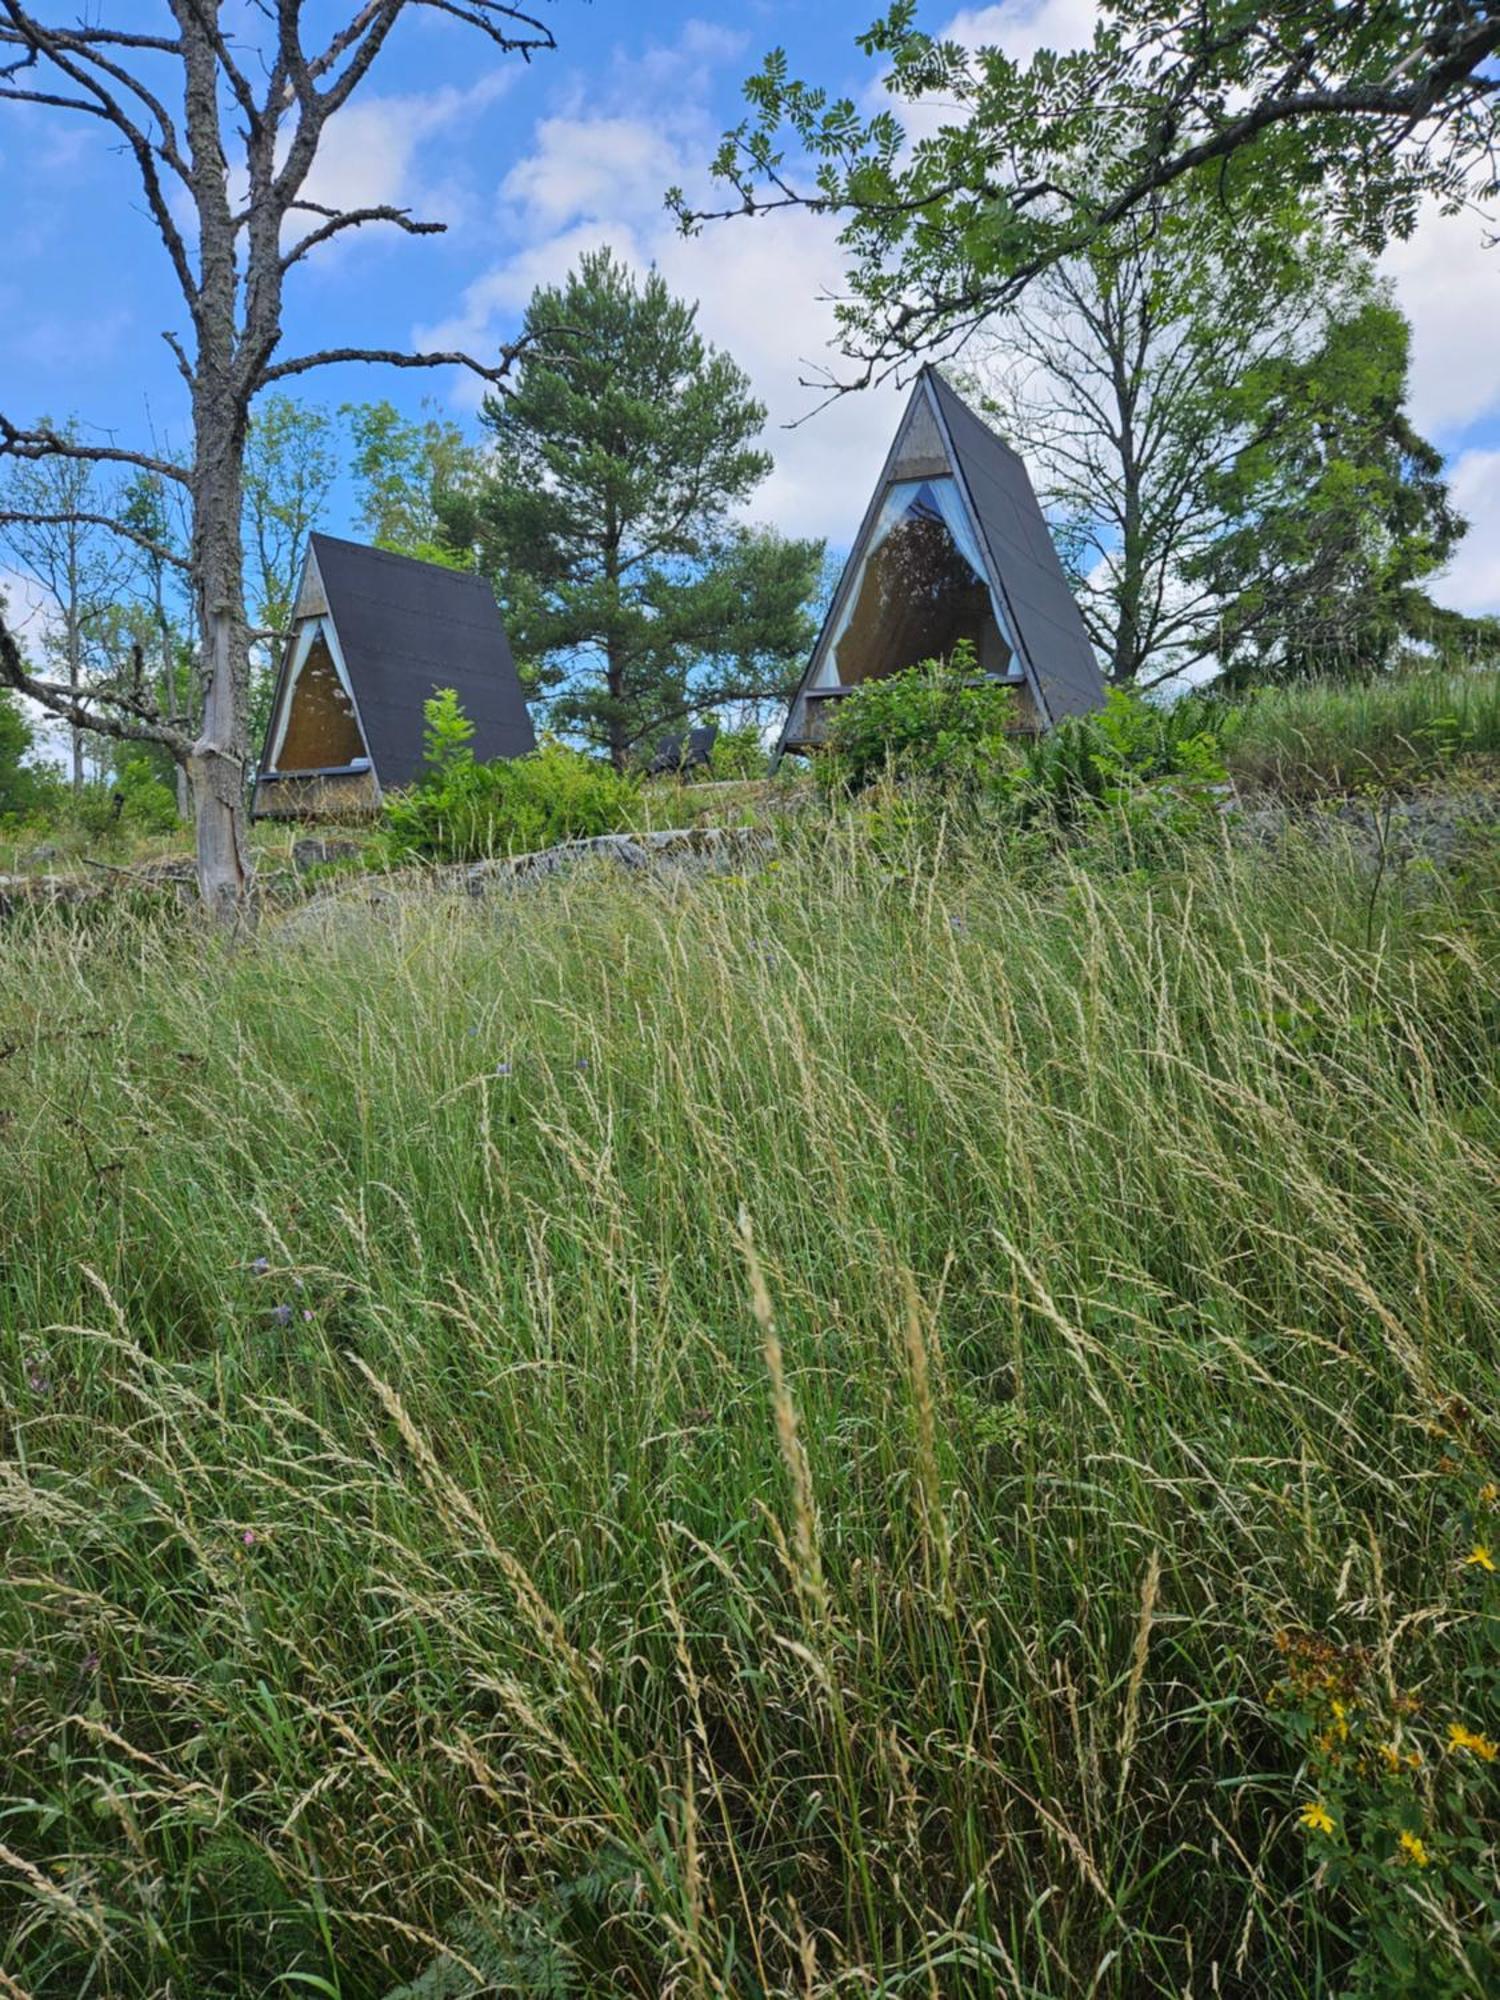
x=939, y=435
x=1044, y=614
x=405, y=629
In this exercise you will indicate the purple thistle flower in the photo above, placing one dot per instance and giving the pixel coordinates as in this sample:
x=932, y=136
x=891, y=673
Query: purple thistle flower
x=282, y=1315
x=502, y=1069
x=260, y=1266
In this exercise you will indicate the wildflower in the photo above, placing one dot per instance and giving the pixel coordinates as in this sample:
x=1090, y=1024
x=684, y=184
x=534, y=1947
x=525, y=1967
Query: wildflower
x=583, y=1062
x=307, y=1312
x=1316, y=1817
x=502, y=1069
x=38, y=1383
x=1479, y=1557
x=1340, y=1721
x=1489, y=1493
x=1413, y=1849
x=248, y=1538
x=1396, y=1760
x=282, y=1315
x=1460, y=1738
x=260, y=1266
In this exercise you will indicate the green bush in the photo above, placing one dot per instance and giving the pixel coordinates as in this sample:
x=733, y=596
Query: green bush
x=466, y=811
x=739, y=753
x=934, y=721
x=1107, y=756
x=150, y=802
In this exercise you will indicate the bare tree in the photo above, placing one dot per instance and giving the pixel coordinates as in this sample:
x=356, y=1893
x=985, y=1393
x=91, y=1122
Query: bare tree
x=1115, y=377
x=233, y=140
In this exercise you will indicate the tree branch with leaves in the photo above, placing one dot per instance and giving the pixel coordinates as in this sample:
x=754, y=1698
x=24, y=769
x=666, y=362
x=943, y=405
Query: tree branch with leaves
x=1370, y=104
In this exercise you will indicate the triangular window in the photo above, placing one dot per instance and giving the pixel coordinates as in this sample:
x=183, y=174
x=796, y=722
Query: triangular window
x=919, y=590
x=321, y=731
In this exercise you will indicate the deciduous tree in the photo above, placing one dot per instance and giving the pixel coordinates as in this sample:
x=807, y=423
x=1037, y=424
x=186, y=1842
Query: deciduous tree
x=1334, y=510
x=1117, y=376
x=412, y=475
x=58, y=521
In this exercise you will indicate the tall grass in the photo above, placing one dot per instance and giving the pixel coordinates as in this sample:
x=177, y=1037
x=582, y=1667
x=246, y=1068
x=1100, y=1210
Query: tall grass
x=1397, y=730
x=769, y=1436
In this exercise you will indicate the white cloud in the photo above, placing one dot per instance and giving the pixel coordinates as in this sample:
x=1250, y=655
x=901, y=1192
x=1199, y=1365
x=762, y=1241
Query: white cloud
x=763, y=288
x=1447, y=279
x=591, y=166
x=1472, y=582
x=1022, y=27
x=370, y=155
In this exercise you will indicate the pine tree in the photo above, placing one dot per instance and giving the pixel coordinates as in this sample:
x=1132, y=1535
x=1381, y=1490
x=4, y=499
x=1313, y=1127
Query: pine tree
x=634, y=595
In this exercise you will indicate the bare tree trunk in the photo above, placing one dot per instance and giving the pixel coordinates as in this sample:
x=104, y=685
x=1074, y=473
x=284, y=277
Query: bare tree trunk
x=75, y=681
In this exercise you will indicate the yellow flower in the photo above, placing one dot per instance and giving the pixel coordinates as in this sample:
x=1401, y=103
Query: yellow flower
x=1479, y=1557
x=1413, y=1849
x=1315, y=1817
x=1341, y=1721
x=1460, y=1738
x=1489, y=1494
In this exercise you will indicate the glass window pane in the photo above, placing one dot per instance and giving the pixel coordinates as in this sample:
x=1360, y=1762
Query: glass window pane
x=917, y=595
x=321, y=732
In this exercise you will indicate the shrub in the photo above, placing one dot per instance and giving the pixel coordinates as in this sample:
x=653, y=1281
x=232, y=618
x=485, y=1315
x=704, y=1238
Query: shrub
x=934, y=721
x=1107, y=756
x=739, y=753
x=150, y=802
x=466, y=811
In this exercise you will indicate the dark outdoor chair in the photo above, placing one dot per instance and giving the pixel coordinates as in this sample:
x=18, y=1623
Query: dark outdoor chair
x=675, y=756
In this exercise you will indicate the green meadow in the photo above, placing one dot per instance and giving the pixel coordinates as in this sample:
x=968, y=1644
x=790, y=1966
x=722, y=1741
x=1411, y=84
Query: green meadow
x=921, y=1419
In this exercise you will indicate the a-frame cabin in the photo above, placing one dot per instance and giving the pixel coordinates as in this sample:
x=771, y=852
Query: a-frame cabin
x=373, y=636
x=953, y=547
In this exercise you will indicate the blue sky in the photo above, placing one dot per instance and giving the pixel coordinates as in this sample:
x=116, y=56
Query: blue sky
x=530, y=164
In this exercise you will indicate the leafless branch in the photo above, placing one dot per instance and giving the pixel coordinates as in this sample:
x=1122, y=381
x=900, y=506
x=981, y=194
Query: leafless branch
x=128, y=718
x=353, y=218
x=14, y=518
x=16, y=443
x=390, y=357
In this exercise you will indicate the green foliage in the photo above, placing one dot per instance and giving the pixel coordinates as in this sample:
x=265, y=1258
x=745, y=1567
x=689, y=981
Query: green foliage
x=447, y=733
x=934, y=725
x=1398, y=731
x=150, y=802
x=1027, y=160
x=291, y=465
x=935, y=721
x=18, y=779
x=1400, y=1797
x=739, y=753
x=411, y=475
x=1105, y=757
x=468, y=811
x=754, y=1436
x=606, y=517
x=1335, y=511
